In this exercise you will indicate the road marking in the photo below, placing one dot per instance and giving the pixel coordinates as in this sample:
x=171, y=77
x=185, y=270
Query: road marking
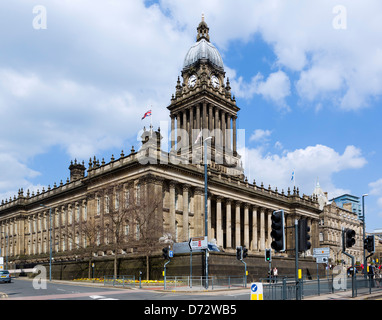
x=67, y=295
x=101, y=298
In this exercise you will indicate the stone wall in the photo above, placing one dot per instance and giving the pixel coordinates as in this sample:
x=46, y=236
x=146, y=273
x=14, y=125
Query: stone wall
x=220, y=264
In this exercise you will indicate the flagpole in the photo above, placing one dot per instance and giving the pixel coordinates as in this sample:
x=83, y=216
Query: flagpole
x=151, y=121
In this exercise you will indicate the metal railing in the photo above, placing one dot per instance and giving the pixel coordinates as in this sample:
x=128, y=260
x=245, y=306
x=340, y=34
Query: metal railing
x=120, y=281
x=286, y=288
x=199, y=282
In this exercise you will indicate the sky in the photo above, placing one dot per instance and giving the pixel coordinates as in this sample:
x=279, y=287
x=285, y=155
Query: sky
x=76, y=78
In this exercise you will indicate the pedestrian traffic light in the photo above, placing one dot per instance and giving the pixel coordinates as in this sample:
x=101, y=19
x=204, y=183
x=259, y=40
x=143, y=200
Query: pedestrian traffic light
x=303, y=236
x=239, y=253
x=349, y=238
x=165, y=253
x=277, y=233
x=369, y=244
x=268, y=255
x=245, y=252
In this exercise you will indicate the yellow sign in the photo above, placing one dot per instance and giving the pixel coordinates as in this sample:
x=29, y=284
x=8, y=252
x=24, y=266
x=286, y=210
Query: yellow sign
x=299, y=273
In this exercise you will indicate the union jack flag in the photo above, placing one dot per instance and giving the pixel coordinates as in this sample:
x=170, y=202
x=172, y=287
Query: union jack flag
x=147, y=114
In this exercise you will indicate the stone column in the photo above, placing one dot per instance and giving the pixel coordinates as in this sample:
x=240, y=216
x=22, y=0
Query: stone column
x=191, y=126
x=246, y=225
x=205, y=123
x=172, y=132
x=223, y=126
x=178, y=130
x=172, y=209
x=219, y=222
x=198, y=208
x=262, y=229
x=198, y=116
x=184, y=135
x=237, y=224
x=186, y=235
x=254, y=229
x=228, y=133
x=228, y=224
x=210, y=118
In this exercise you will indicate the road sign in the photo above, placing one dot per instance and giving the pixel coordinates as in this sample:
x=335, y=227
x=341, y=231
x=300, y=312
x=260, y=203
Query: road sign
x=171, y=254
x=322, y=259
x=317, y=252
x=257, y=291
x=198, y=243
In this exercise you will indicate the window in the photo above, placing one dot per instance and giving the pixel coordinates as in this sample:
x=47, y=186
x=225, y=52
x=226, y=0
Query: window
x=127, y=198
x=138, y=194
x=85, y=212
x=138, y=228
x=77, y=213
x=107, y=204
x=117, y=201
x=98, y=206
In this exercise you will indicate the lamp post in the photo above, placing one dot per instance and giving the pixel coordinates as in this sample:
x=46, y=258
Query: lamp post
x=206, y=204
x=364, y=234
x=50, y=240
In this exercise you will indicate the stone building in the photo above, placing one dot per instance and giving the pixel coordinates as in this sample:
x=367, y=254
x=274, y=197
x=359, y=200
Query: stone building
x=332, y=219
x=169, y=184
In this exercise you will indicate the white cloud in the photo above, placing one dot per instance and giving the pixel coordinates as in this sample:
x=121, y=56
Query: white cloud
x=308, y=164
x=260, y=134
x=275, y=88
x=343, y=66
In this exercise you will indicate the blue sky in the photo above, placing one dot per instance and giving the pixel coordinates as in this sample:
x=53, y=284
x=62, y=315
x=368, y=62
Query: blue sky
x=307, y=76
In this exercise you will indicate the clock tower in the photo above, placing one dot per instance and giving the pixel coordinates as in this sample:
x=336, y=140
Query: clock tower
x=203, y=106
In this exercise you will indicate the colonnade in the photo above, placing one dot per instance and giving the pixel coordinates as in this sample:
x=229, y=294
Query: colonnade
x=204, y=116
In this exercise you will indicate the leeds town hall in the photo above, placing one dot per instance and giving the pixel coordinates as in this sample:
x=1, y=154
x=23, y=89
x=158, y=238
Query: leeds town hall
x=139, y=202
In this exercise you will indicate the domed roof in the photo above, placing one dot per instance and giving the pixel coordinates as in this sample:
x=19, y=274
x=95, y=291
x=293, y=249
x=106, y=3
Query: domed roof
x=203, y=50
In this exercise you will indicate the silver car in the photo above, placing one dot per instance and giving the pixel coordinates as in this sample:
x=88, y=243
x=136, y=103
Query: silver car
x=5, y=276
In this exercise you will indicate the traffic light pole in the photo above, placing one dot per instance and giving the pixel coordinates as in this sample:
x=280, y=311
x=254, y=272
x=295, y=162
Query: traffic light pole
x=296, y=260
x=352, y=262
x=245, y=269
x=164, y=285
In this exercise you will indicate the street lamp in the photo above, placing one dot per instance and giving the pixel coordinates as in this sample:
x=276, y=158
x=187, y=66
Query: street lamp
x=50, y=240
x=364, y=234
x=206, y=204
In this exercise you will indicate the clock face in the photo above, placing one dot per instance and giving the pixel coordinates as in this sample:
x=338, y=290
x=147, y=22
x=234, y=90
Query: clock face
x=192, y=81
x=215, y=82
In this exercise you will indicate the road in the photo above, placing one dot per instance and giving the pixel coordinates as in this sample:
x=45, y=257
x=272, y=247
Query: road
x=23, y=289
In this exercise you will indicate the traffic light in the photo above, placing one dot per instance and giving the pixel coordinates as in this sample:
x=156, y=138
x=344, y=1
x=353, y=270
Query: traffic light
x=303, y=236
x=245, y=252
x=239, y=253
x=277, y=233
x=349, y=238
x=268, y=255
x=369, y=244
x=165, y=253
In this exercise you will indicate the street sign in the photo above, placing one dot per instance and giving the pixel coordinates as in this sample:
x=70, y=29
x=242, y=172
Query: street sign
x=198, y=243
x=322, y=259
x=257, y=291
x=171, y=254
x=317, y=252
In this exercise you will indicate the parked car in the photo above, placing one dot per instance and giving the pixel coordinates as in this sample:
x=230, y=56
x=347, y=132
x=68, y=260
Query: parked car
x=5, y=276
